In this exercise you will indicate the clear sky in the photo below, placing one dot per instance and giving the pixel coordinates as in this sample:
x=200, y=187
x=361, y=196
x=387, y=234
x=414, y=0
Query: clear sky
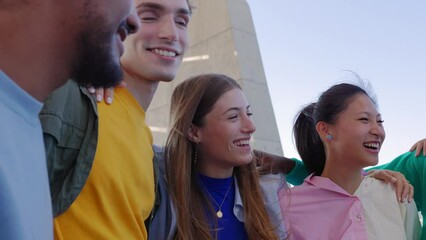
x=307, y=45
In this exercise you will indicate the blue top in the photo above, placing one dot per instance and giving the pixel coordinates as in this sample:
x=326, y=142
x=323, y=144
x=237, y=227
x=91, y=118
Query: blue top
x=25, y=205
x=223, y=190
x=163, y=222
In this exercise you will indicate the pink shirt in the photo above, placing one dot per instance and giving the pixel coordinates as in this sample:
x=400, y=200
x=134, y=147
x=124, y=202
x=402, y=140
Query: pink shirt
x=320, y=209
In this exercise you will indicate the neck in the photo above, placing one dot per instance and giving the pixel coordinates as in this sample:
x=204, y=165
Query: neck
x=346, y=177
x=30, y=52
x=142, y=90
x=214, y=171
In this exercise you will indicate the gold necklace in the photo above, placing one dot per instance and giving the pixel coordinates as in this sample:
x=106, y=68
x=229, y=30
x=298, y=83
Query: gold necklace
x=219, y=212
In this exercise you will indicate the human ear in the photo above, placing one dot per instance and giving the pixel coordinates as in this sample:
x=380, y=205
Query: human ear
x=324, y=131
x=194, y=134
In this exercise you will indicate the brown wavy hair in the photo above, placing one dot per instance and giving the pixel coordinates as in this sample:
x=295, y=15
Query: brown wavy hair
x=191, y=101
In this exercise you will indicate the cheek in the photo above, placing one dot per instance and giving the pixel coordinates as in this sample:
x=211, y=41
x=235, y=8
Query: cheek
x=184, y=39
x=221, y=137
x=130, y=44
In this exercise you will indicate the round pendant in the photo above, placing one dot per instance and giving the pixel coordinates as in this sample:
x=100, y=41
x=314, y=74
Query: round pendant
x=219, y=214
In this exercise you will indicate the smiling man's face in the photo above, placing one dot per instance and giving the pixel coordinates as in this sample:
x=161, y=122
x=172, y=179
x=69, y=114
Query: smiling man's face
x=156, y=51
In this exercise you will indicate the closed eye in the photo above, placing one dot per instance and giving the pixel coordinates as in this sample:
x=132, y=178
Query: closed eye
x=148, y=16
x=182, y=22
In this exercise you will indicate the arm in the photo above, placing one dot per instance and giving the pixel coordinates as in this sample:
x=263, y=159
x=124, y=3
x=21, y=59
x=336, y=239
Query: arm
x=70, y=125
x=296, y=172
x=294, y=169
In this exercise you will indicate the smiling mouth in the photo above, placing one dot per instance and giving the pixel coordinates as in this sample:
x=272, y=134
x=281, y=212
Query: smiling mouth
x=373, y=146
x=242, y=143
x=165, y=53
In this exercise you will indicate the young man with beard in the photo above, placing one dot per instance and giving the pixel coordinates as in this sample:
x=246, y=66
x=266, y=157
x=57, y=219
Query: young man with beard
x=100, y=157
x=41, y=46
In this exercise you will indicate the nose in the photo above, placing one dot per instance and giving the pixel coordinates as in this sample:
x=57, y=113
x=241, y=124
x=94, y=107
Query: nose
x=168, y=30
x=132, y=22
x=378, y=130
x=248, y=125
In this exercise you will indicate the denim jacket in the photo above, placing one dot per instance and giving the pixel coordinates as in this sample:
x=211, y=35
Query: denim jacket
x=163, y=222
x=70, y=129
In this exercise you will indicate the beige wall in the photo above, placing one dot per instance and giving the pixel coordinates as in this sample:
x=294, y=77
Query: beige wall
x=223, y=40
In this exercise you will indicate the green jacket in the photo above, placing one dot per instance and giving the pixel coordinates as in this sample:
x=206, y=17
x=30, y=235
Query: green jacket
x=69, y=120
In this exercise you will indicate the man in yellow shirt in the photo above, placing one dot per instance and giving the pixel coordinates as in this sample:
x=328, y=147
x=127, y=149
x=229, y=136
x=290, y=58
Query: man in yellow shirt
x=100, y=157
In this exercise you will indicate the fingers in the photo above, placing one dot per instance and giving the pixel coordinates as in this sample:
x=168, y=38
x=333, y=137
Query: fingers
x=418, y=151
x=419, y=147
x=410, y=191
x=99, y=93
x=403, y=189
x=109, y=95
x=106, y=94
x=383, y=175
x=91, y=89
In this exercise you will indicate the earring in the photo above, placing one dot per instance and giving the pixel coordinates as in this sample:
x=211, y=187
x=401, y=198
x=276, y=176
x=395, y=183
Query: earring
x=195, y=153
x=329, y=137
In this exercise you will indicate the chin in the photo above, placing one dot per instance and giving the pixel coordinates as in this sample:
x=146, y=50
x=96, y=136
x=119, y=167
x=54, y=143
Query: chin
x=373, y=162
x=166, y=77
x=246, y=160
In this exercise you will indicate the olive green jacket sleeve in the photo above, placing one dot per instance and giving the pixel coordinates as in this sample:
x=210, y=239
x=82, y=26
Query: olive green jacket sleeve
x=70, y=129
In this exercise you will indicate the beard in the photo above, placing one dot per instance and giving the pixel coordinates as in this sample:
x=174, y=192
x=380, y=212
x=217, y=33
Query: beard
x=96, y=64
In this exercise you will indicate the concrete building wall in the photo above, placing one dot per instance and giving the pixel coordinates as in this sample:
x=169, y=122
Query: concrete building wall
x=223, y=40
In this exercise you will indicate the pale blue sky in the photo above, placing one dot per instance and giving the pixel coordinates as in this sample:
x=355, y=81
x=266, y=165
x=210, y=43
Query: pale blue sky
x=306, y=45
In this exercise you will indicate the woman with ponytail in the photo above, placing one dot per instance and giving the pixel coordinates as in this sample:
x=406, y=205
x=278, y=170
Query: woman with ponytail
x=337, y=137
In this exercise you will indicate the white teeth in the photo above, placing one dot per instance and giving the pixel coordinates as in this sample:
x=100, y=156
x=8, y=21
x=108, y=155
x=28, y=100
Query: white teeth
x=242, y=142
x=372, y=145
x=164, y=53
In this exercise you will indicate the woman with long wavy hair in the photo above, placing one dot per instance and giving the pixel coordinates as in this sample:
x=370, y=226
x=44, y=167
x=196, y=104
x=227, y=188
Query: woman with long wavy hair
x=211, y=173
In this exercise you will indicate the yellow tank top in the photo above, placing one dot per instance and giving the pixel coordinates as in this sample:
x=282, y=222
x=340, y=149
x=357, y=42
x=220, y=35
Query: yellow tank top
x=119, y=193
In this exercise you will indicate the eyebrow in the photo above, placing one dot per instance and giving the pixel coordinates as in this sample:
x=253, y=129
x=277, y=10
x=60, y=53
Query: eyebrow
x=156, y=6
x=369, y=114
x=236, y=109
